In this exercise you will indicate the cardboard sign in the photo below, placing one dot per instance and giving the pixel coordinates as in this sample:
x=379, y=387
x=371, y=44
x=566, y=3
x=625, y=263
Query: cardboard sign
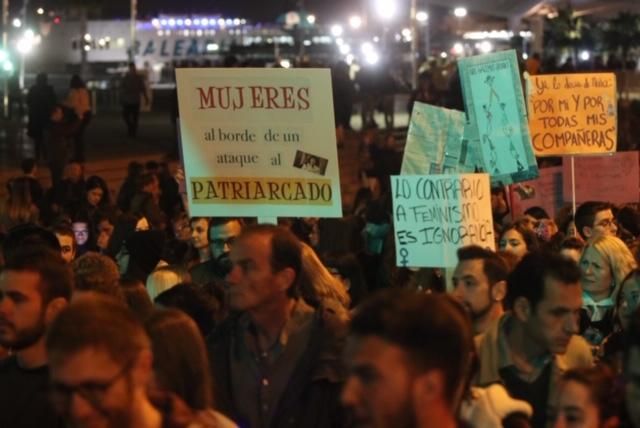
x=571, y=114
x=434, y=215
x=610, y=178
x=433, y=140
x=545, y=192
x=496, y=113
x=259, y=142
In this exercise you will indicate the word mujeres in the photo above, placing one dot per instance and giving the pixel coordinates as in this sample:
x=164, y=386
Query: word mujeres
x=238, y=190
x=254, y=97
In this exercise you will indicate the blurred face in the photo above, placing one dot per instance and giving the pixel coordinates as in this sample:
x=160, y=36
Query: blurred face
x=142, y=224
x=90, y=390
x=554, y=321
x=513, y=242
x=629, y=300
x=596, y=274
x=182, y=230
x=221, y=238
x=22, y=312
x=378, y=390
x=251, y=282
x=105, y=230
x=603, y=224
x=73, y=171
x=81, y=232
x=94, y=196
x=199, y=229
x=575, y=408
x=471, y=286
x=67, y=247
x=632, y=388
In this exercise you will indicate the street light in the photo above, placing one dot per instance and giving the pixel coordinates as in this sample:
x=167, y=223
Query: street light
x=386, y=8
x=355, y=22
x=311, y=19
x=336, y=30
x=460, y=12
x=16, y=22
x=40, y=11
x=422, y=16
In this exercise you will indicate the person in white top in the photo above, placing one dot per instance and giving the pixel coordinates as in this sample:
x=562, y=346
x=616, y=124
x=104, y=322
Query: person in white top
x=79, y=100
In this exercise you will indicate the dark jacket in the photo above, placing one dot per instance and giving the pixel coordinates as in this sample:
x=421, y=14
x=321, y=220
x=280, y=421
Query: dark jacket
x=311, y=398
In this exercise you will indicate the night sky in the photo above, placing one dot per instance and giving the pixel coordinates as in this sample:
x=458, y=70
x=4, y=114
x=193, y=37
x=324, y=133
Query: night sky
x=255, y=10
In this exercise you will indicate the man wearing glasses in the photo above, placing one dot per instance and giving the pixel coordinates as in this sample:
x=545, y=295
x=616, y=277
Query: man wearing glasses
x=595, y=219
x=35, y=286
x=101, y=367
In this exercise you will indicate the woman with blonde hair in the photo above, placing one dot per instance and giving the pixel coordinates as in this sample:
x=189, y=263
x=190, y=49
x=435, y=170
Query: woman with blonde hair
x=164, y=278
x=605, y=263
x=319, y=288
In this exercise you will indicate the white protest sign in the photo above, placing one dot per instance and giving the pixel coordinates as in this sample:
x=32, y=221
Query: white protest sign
x=434, y=215
x=259, y=142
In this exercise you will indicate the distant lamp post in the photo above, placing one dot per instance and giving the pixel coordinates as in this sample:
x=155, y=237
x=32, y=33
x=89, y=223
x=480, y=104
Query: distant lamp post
x=355, y=22
x=311, y=19
x=336, y=30
x=386, y=9
x=422, y=16
x=460, y=12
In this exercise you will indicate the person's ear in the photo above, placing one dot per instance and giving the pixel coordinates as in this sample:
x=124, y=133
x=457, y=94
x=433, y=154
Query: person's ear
x=499, y=291
x=587, y=232
x=522, y=309
x=53, y=309
x=142, y=370
x=428, y=387
x=285, y=278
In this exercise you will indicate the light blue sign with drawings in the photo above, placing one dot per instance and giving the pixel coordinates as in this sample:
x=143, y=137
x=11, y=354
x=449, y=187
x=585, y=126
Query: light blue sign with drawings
x=434, y=215
x=435, y=142
x=496, y=114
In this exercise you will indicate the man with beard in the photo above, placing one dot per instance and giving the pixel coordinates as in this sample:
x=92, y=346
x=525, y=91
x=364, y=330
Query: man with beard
x=222, y=232
x=480, y=283
x=35, y=286
x=536, y=340
x=409, y=356
x=102, y=366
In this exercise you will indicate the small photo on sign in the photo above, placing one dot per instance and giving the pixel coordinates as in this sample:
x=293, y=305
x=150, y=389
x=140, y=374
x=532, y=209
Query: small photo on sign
x=311, y=163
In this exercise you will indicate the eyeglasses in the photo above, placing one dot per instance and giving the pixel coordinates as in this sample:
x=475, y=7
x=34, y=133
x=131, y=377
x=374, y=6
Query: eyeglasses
x=94, y=392
x=608, y=223
x=221, y=243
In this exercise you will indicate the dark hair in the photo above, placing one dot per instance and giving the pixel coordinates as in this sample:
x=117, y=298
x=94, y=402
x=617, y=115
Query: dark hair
x=99, y=273
x=528, y=278
x=152, y=166
x=529, y=237
x=586, y=214
x=76, y=82
x=604, y=391
x=221, y=221
x=134, y=169
x=27, y=165
x=494, y=266
x=97, y=322
x=145, y=179
x=286, y=250
x=538, y=213
x=629, y=218
x=194, y=219
x=431, y=328
x=95, y=182
x=193, y=301
x=29, y=234
x=56, y=278
x=180, y=360
x=136, y=297
x=348, y=267
x=572, y=243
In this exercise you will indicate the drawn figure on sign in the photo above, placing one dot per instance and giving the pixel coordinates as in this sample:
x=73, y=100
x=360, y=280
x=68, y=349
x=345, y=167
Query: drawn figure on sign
x=508, y=131
x=404, y=253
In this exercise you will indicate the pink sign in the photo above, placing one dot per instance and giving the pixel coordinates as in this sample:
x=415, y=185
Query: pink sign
x=609, y=178
x=545, y=191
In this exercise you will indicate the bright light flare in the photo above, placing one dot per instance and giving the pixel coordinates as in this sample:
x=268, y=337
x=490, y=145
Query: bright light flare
x=355, y=22
x=422, y=16
x=460, y=12
x=386, y=9
x=336, y=30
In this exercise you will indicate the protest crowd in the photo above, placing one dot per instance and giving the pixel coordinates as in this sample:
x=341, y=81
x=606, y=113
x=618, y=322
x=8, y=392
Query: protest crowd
x=118, y=309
